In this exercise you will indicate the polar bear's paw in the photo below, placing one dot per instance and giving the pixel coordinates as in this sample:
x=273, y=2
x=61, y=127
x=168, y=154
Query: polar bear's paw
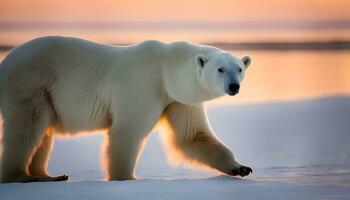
x=241, y=171
x=27, y=179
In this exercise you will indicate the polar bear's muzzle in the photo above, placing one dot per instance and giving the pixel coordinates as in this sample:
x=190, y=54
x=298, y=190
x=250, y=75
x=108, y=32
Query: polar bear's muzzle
x=233, y=88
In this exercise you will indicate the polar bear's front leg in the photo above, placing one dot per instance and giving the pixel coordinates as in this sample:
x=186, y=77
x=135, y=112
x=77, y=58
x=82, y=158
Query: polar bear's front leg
x=206, y=149
x=126, y=138
x=190, y=138
x=124, y=148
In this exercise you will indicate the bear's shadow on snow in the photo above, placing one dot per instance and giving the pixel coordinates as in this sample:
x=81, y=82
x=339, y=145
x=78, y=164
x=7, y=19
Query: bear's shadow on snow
x=213, y=178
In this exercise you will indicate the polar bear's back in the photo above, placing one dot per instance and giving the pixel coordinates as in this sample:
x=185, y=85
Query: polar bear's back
x=69, y=69
x=57, y=51
x=82, y=77
x=85, y=78
x=54, y=56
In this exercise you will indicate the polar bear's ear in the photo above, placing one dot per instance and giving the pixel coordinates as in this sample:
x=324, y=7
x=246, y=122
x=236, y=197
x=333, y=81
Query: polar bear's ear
x=201, y=60
x=246, y=61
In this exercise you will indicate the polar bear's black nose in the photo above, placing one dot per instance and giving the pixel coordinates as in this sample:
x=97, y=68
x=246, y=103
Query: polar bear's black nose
x=234, y=87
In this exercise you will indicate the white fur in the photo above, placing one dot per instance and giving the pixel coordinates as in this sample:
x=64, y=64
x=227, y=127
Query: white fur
x=60, y=85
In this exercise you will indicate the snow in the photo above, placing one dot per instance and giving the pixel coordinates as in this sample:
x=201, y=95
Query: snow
x=298, y=150
x=212, y=188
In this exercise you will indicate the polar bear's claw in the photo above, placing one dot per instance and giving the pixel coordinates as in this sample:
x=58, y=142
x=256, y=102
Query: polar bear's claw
x=242, y=171
x=245, y=171
x=60, y=178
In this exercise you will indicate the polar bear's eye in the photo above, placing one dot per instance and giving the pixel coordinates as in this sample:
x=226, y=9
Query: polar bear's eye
x=221, y=70
x=240, y=70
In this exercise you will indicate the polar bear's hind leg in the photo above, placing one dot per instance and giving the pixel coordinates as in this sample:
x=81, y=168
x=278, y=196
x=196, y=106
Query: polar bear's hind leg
x=39, y=162
x=24, y=129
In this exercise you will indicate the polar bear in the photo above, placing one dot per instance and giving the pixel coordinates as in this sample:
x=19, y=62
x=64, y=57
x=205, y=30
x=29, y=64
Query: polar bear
x=62, y=85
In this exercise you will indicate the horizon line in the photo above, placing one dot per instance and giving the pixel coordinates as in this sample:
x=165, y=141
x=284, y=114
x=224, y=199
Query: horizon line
x=339, y=45
x=180, y=25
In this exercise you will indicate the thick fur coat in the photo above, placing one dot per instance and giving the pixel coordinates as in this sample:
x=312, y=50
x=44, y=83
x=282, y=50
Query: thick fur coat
x=60, y=85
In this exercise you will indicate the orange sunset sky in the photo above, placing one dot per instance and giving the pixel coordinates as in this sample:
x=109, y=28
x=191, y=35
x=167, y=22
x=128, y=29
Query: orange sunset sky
x=266, y=20
x=179, y=10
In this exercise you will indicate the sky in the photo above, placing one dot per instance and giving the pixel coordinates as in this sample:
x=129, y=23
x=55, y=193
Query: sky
x=258, y=85
x=178, y=11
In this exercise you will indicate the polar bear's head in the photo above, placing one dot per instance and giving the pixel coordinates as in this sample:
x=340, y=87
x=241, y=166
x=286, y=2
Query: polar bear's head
x=220, y=72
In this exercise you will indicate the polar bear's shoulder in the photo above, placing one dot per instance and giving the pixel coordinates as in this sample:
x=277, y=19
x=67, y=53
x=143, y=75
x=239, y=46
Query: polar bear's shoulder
x=177, y=45
x=151, y=43
x=192, y=47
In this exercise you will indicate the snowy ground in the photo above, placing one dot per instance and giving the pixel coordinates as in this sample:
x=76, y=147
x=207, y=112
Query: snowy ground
x=298, y=150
